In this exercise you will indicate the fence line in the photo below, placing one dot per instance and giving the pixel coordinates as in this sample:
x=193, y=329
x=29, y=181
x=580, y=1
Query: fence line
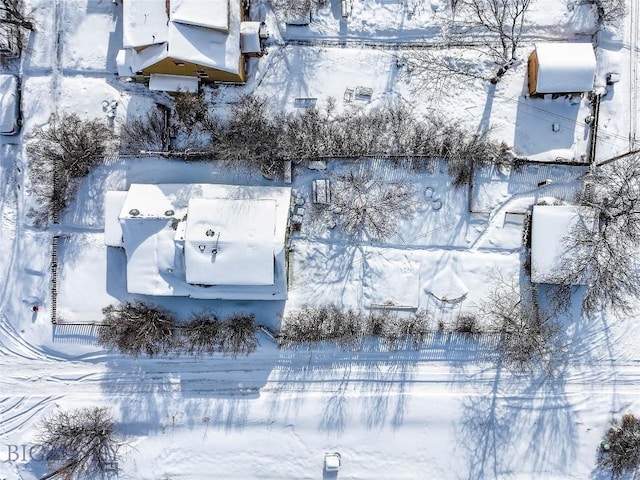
x=54, y=279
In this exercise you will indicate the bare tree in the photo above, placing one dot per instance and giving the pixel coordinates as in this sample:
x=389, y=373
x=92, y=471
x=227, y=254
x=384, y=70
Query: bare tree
x=619, y=452
x=610, y=12
x=602, y=254
x=439, y=70
x=80, y=443
x=63, y=152
x=504, y=18
x=15, y=23
x=238, y=335
x=251, y=135
x=367, y=208
x=202, y=333
x=134, y=328
x=146, y=132
x=528, y=338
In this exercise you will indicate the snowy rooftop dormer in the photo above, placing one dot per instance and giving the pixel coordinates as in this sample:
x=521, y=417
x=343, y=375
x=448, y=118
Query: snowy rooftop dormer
x=562, y=68
x=144, y=23
x=201, y=13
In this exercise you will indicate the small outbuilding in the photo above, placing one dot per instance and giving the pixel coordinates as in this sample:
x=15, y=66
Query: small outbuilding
x=550, y=226
x=561, y=68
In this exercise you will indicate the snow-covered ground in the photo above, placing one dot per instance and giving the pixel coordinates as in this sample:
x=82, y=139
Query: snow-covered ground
x=446, y=411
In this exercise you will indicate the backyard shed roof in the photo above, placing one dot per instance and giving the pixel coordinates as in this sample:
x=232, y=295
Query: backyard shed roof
x=565, y=67
x=550, y=225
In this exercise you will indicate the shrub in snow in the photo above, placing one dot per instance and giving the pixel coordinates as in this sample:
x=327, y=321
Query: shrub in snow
x=619, y=452
x=467, y=324
x=347, y=328
x=144, y=133
x=201, y=334
x=238, y=335
x=135, y=328
x=81, y=443
x=63, y=152
x=251, y=134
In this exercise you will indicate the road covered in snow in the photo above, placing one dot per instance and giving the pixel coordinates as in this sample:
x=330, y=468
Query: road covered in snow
x=446, y=410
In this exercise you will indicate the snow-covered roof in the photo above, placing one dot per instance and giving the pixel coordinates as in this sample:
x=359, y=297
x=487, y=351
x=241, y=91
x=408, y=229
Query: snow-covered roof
x=206, y=47
x=250, y=37
x=230, y=242
x=204, y=32
x=173, y=83
x=113, y=203
x=144, y=22
x=202, y=13
x=241, y=228
x=550, y=225
x=565, y=67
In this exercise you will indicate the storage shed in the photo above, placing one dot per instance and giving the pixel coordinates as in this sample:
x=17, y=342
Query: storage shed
x=550, y=225
x=561, y=68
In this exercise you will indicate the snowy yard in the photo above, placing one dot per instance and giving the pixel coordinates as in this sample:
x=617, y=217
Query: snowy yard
x=447, y=410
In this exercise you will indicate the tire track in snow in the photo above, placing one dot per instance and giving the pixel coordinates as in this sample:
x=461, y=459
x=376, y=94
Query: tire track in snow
x=56, y=66
x=17, y=414
x=13, y=345
x=10, y=200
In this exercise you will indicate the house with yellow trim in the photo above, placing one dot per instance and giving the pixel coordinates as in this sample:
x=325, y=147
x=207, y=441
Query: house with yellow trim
x=176, y=44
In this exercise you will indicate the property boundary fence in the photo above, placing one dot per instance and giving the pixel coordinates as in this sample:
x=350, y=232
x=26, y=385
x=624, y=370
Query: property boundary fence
x=54, y=279
x=594, y=131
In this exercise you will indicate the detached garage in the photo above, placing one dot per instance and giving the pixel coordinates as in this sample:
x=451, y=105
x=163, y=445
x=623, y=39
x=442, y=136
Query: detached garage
x=561, y=68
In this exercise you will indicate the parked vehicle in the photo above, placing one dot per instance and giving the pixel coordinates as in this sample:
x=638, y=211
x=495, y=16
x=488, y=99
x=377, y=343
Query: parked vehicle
x=10, y=120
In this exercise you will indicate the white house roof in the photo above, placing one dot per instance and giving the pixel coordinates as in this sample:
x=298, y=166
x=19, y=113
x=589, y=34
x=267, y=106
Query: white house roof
x=550, y=225
x=230, y=242
x=164, y=227
x=193, y=34
x=144, y=22
x=565, y=67
x=202, y=13
x=207, y=47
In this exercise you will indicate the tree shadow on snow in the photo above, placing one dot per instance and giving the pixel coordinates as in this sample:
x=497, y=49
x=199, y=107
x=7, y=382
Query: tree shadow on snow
x=368, y=384
x=158, y=395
